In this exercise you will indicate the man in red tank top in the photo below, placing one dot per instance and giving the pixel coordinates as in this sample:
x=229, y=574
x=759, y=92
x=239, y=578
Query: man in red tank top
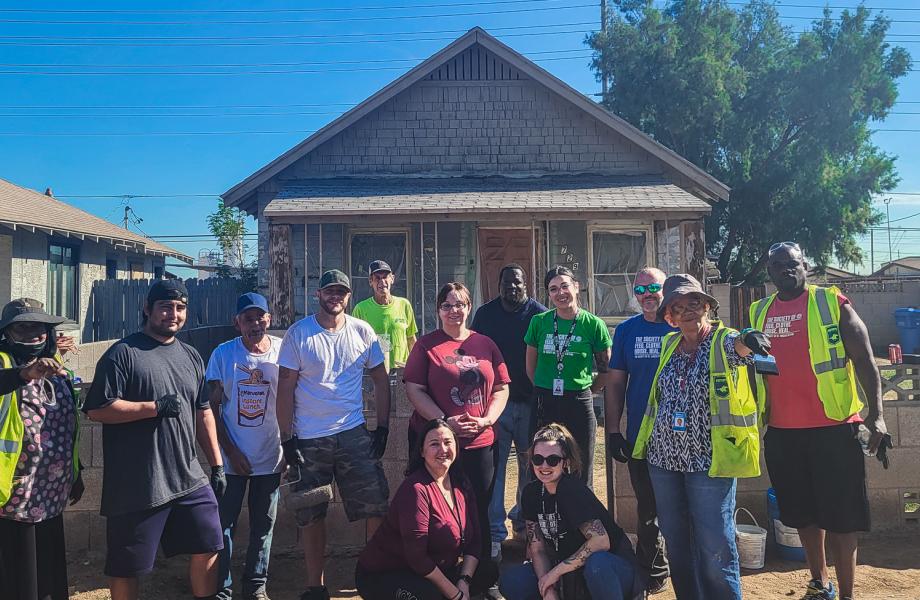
x=816, y=464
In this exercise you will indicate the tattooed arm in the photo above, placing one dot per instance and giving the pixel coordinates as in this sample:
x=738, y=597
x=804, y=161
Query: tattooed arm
x=596, y=540
x=536, y=549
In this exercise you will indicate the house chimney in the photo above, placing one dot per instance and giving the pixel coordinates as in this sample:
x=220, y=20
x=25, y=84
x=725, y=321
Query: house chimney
x=49, y=192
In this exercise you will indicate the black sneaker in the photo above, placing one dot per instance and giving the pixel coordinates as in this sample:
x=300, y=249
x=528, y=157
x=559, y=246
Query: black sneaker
x=656, y=586
x=319, y=592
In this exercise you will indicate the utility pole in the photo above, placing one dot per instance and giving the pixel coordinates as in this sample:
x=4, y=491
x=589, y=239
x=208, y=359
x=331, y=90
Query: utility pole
x=603, y=68
x=871, y=251
x=124, y=221
x=888, y=211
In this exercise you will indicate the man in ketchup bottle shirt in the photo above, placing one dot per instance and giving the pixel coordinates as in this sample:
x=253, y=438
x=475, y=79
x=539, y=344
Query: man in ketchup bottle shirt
x=815, y=462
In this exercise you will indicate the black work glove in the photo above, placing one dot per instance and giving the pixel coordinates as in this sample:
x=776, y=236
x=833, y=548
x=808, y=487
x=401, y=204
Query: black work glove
x=618, y=447
x=168, y=406
x=756, y=340
x=379, y=441
x=882, y=453
x=218, y=481
x=292, y=455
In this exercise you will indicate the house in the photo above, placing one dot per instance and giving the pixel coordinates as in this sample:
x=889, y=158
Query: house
x=53, y=252
x=908, y=266
x=829, y=274
x=475, y=158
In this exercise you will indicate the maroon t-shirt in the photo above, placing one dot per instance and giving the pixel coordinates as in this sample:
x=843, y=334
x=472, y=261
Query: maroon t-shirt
x=459, y=377
x=421, y=531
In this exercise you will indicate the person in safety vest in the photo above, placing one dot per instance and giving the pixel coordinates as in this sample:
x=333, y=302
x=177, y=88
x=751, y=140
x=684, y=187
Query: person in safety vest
x=814, y=459
x=699, y=434
x=39, y=466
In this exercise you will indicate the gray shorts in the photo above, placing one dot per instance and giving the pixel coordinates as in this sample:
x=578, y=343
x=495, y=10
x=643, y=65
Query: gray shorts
x=343, y=457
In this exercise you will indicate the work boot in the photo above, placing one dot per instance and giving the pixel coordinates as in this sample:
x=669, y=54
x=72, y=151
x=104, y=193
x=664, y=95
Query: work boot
x=318, y=592
x=818, y=591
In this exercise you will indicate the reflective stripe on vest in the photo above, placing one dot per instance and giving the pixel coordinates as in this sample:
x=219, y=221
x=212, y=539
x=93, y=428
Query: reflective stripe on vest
x=11, y=432
x=723, y=415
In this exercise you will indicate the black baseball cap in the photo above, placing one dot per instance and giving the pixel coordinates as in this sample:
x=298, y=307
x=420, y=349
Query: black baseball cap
x=167, y=289
x=379, y=265
x=334, y=277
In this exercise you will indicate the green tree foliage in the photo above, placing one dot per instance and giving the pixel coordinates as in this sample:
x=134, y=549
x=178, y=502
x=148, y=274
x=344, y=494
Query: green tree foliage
x=783, y=118
x=228, y=225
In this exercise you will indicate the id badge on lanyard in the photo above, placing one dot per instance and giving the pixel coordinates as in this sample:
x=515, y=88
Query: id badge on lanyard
x=679, y=422
x=559, y=382
x=558, y=386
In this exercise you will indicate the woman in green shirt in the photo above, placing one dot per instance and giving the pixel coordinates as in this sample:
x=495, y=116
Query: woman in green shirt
x=564, y=345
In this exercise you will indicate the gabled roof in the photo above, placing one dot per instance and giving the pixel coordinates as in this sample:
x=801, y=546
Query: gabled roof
x=908, y=262
x=472, y=195
x=707, y=184
x=27, y=209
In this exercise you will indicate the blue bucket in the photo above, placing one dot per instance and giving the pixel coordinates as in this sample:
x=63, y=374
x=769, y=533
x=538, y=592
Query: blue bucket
x=786, y=539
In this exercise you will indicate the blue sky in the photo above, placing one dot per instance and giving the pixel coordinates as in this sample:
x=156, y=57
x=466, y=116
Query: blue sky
x=116, y=99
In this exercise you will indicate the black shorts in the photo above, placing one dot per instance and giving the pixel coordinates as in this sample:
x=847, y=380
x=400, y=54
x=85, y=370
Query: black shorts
x=819, y=475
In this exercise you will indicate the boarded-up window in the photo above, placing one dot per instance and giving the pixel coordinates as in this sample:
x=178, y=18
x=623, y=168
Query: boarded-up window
x=137, y=270
x=617, y=256
x=366, y=247
x=63, y=263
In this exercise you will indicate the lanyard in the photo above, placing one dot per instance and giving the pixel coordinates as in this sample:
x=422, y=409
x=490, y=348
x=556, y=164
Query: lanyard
x=455, y=512
x=560, y=352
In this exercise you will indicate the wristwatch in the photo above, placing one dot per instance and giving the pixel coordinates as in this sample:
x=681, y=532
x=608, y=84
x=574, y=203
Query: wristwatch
x=466, y=578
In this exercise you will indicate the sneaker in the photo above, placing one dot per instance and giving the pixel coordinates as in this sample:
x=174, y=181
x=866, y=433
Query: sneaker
x=319, y=592
x=260, y=595
x=493, y=593
x=656, y=586
x=497, y=551
x=817, y=591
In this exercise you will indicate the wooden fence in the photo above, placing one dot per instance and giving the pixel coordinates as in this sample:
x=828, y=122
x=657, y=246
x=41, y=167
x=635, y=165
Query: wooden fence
x=115, y=305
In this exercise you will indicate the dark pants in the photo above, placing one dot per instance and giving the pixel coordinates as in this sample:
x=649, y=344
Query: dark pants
x=405, y=584
x=650, y=545
x=478, y=465
x=33, y=562
x=263, y=506
x=575, y=410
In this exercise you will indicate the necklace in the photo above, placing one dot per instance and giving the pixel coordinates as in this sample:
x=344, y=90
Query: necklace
x=454, y=509
x=687, y=360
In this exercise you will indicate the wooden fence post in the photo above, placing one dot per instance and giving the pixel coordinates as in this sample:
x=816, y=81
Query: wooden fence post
x=280, y=276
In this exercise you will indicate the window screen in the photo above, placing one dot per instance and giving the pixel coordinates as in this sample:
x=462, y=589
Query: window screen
x=617, y=258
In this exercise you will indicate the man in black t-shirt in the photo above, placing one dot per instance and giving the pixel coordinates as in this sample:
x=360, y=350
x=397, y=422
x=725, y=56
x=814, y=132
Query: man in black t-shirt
x=505, y=319
x=149, y=394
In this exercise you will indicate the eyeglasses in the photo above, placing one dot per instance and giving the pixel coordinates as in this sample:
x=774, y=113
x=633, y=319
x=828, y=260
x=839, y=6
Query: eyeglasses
x=447, y=306
x=780, y=245
x=652, y=288
x=694, y=304
x=552, y=460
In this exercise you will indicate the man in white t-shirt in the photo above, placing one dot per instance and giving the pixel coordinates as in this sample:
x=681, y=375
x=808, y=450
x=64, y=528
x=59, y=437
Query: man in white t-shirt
x=321, y=414
x=243, y=378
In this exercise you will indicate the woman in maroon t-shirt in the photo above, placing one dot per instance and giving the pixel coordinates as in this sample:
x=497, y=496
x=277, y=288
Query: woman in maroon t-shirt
x=460, y=376
x=428, y=545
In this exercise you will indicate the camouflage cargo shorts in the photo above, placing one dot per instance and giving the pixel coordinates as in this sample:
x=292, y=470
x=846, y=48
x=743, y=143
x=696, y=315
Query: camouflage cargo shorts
x=345, y=458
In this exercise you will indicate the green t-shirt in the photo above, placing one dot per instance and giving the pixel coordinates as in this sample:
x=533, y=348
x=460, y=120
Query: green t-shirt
x=590, y=336
x=394, y=323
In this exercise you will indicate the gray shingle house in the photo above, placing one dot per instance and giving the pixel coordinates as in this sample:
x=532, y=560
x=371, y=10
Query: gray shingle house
x=475, y=158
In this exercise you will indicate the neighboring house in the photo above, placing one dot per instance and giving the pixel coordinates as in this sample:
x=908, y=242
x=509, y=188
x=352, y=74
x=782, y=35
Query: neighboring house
x=53, y=252
x=476, y=158
x=908, y=266
x=830, y=274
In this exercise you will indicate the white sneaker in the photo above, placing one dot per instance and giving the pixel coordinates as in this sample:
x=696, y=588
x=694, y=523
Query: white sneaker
x=497, y=551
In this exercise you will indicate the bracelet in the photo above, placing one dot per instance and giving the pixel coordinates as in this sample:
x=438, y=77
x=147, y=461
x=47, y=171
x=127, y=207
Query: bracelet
x=459, y=595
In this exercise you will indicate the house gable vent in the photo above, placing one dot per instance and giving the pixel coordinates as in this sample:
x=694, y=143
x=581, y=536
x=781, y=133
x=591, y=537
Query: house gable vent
x=476, y=64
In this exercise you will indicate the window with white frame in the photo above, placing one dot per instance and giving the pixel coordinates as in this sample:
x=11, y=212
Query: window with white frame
x=62, y=292
x=367, y=246
x=616, y=257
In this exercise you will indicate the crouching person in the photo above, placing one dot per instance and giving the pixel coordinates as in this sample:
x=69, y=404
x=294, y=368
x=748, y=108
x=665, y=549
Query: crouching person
x=574, y=547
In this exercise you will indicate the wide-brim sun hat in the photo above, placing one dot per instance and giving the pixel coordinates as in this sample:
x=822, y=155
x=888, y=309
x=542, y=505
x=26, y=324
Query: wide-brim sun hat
x=679, y=285
x=27, y=310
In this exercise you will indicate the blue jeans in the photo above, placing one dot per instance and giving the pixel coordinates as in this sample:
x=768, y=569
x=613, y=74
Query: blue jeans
x=607, y=576
x=263, y=506
x=516, y=423
x=696, y=517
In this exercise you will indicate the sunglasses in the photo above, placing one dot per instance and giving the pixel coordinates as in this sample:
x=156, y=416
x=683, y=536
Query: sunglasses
x=652, y=288
x=780, y=245
x=552, y=460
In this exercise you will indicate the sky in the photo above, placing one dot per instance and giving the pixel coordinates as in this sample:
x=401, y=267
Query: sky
x=163, y=106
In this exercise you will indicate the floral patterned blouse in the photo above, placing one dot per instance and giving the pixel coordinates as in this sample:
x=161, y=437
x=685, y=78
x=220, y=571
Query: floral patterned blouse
x=44, y=474
x=683, y=387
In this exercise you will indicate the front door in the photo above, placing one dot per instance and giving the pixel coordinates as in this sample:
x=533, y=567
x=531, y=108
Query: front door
x=497, y=248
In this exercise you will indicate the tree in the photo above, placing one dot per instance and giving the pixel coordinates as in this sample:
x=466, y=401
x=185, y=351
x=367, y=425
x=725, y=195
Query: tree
x=228, y=225
x=782, y=118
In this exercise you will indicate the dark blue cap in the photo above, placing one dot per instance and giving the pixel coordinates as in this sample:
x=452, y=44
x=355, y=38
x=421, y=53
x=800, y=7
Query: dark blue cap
x=251, y=300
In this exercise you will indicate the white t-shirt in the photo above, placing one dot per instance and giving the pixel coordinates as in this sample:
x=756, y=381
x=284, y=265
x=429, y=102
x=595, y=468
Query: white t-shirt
x=331, y=365
x=250, y=383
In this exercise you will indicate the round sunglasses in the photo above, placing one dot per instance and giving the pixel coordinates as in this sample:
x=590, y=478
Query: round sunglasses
x=552, y=460
x=652, y=288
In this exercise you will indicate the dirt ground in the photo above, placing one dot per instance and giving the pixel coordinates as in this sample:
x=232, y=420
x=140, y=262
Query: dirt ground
x=889, y=568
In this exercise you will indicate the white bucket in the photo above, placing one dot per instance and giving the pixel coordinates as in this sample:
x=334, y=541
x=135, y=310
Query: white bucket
x=752, y=542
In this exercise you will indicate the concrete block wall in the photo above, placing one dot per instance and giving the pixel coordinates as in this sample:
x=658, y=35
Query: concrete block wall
x=876, y=302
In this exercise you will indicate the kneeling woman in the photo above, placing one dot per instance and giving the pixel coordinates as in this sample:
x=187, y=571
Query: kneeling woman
x=572, y=541
x=428, y=546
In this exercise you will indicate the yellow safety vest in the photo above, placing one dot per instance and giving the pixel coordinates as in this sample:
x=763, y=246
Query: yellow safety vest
x=11, y=433
x=834, y=373
x=732, y=411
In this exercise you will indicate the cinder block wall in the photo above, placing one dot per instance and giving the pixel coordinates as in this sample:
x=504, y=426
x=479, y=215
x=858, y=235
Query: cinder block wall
x=876, y=302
